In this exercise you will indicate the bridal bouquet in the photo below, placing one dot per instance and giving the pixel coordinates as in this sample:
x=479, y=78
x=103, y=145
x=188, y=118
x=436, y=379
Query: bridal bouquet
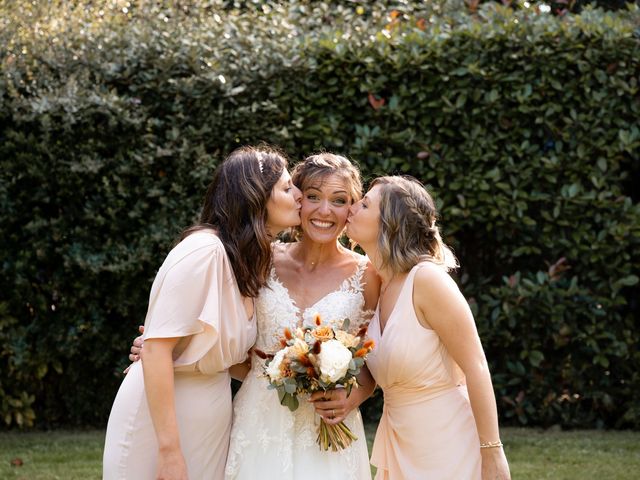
x=315, y=358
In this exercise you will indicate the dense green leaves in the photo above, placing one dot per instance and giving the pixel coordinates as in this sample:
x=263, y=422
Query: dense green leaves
x=524, y=125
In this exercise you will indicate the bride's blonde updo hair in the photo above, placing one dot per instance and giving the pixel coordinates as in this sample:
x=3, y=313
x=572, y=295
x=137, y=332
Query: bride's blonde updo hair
x=408, y=230
x=316, y=168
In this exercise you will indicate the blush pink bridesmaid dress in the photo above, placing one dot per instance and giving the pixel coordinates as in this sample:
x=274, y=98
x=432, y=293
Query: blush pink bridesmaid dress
x=427, y=430
x=194, y=296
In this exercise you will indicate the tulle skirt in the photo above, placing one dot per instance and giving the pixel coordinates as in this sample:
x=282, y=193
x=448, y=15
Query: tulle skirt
x=268, y=441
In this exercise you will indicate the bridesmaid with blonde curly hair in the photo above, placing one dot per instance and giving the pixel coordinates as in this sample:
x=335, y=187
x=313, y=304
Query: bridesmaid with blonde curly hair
x=439, y=419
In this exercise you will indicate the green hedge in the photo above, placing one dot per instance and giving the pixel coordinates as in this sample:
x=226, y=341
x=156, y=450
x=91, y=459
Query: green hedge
x=524, y=124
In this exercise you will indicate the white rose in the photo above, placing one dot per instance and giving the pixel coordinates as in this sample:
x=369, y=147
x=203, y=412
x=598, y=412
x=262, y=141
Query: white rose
x=273, y=369
x=334, y=361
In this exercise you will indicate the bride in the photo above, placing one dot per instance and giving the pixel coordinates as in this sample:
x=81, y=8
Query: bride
x=314, y=275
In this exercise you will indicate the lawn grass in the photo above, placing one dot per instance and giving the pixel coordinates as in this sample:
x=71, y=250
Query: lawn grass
x=590, y=454
x=533, y=454
x=64, y=455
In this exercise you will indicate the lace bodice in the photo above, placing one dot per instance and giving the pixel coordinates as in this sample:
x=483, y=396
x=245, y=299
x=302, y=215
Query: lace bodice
x=269, y=441
x=275, y=309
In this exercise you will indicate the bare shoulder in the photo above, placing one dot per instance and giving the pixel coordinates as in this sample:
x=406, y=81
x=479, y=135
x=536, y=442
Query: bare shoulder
x=433, y=276
x=434, y=286
x=438, y=302
x=371, y=276
x=370, y=282
x=280, y=252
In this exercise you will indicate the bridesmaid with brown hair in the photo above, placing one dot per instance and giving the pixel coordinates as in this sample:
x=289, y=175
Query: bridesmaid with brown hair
x=439, y=419
x=171, y=418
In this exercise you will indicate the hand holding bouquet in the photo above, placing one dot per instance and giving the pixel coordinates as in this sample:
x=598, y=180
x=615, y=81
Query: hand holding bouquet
x=319, y=358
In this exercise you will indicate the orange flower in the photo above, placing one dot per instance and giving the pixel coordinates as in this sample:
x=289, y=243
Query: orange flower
x=317, y=319
x=323, y=333
x=369, y=344
x=304, y=360
x=311, y=372
x=287, y=334
x=361, y=353
x=283, y=342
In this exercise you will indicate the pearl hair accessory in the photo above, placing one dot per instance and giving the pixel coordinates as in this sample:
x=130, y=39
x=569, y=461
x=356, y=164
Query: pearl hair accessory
x=260, y=162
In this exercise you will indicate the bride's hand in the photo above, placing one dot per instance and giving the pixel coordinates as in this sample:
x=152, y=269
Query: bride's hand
x=136, y=348
x=332, y=405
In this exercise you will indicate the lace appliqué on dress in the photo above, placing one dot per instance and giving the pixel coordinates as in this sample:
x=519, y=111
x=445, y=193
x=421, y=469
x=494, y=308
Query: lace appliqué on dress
x=269, y=441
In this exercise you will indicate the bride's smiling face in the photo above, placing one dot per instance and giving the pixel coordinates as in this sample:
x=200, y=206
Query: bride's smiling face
x=325, y=207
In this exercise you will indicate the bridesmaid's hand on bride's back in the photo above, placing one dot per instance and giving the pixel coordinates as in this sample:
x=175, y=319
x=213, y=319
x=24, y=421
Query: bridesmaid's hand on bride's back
x=136, y=348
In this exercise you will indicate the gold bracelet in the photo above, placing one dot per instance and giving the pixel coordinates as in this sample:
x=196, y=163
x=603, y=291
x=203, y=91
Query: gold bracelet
x=491, y=444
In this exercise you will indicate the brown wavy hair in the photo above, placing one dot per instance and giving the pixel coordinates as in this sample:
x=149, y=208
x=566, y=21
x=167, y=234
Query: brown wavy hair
x=235, y=205
x=408, y=230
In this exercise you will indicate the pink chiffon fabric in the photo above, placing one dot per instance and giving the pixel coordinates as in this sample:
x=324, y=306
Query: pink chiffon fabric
x=427, y=430
x=194, y=296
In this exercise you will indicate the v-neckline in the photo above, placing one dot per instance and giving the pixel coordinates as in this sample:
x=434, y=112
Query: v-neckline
x=393, y=310
x=294, y=304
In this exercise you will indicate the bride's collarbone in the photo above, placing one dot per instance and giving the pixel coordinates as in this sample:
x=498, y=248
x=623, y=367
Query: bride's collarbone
x=318, y=278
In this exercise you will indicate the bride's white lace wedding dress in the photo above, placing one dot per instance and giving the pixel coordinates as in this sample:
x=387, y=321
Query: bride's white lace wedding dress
x=267, y=440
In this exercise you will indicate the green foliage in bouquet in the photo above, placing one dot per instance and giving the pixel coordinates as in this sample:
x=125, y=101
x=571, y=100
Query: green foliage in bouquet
x=287, y=393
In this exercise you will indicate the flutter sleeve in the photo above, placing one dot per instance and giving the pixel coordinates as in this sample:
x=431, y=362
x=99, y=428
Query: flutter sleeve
x=195, y=296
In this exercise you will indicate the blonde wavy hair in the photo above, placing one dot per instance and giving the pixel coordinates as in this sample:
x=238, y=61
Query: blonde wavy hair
x=408, y=230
